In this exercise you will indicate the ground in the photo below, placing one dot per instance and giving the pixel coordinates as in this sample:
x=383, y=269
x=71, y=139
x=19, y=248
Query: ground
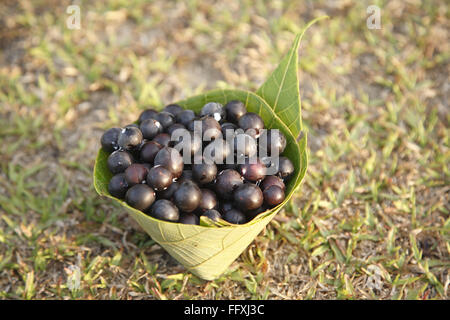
x=371, y=219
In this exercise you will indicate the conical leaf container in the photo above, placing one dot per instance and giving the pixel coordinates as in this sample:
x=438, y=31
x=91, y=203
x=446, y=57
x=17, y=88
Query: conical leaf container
x=208, y=250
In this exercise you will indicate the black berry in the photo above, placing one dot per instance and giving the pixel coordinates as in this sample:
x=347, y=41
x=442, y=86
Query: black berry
x=228, y=126
x=118, y=186
x=189, y=218
x=140, y=197
x=270, y=181
x=235, y=110
x=204, y=173
x=248, y=197
x=170, y=159
x=253, y=169
x=227, y=181
x=165, y=210
x=215, y=110
x=129, y=138
x=273, y=195
x=285, y=168
x=159, y=178
x=234, y=216
x=210, y=129
x=169, y=192
x=147, y=114
x=163, y=139
x=187, y=197
x=135, y=174
x=109, y=139
x=118, y=161
x=208, y=201
x=166, y=119
x=149, y=150
x=150, y=128
x=174, y=109
x=214, y=215
x=185, y=116
x=187, y=176
x=225, y=206
x=251, y=122
x=174, y=127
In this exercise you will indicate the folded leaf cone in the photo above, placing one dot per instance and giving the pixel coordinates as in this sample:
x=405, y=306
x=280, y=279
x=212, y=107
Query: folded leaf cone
x=208, y=250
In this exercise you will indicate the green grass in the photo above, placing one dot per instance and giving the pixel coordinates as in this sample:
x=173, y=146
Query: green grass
x=371, y=220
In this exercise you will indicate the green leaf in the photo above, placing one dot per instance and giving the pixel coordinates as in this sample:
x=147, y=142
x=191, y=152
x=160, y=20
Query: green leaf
x=209, y=248
x=281, y=89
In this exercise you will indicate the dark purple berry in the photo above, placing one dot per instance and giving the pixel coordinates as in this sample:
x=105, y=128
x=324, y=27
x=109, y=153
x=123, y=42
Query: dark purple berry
x=253, y=213
x=165, y=210
x=248, y=197
x=147, y=166
x=166, y=119
x=163, y=139
x=214, y=215
x=187, y=175
x=189, y=218
x=129, y=137
x=140, y=197
x=176, y=126
x=227, y=181
x=135, y=174
x=118, y=186
x=253, y=169
x=159, y=178
x=204, y=173
x=225, y=206
x=285, y=168
x=208, y=201
x=192, y=124
x=174, y=109
x=149, y=150
x=168, y=193
x=147, y=114
x=249, y=121
x=188, y=196
x=210, y=129
x=271, y=181
x=215, y=110
x=119, y=160
x=109, y=139
x=170, y=159
x=150, y=128
x=235, y=109
x=185, y=116
x=234, y=216
x=273, y=195
x=134, y=125
x=228, y=126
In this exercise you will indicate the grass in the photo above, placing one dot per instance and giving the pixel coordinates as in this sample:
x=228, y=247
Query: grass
x=371, y=220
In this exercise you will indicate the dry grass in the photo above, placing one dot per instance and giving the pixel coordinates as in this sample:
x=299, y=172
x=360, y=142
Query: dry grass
x=372, y=218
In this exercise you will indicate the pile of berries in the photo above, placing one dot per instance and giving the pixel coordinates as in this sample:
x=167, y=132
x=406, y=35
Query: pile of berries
x=158, y=166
